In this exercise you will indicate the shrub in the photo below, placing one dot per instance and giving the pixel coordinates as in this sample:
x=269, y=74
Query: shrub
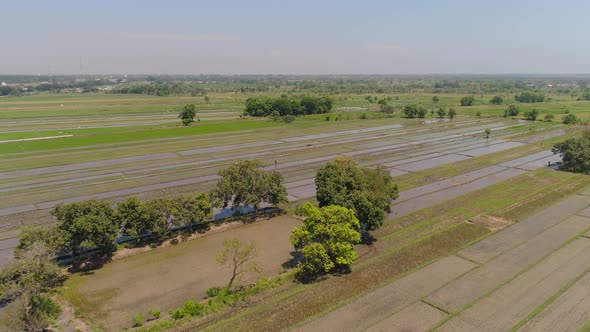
x=549, y=117
x=512, y=110
x=570, y=119
x=288, y=118
x=213, y=291
x=478, y=114
x=187, y=122
x=138, y=319
x=363, y=116
x=155, y=314
x=327, y=118
x=467, y=101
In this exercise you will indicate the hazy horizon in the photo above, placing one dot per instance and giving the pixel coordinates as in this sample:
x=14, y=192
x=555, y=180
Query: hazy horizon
x=455, y=37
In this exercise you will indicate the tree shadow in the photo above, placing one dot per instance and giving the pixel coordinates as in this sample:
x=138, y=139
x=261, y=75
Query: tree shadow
x=85, y=265
x=296, y=256
x=367, y=238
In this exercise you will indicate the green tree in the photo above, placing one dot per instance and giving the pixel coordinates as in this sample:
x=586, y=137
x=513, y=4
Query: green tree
x=410, y=111
x=497, y=100
x=164, y=215
x=435, y=99
x=570, y=119
x=532, y=114
x=452, y=113
x=549, y=118
x=195, y=209
x=207, y=100
x=369, y=191
x=30, y=279
x=575, y=153
x=487, y=133
x=512, y=110
x=326, y=238
x=134, y=217
x=239, y=258
x=467, y=101
x=88, y=224
x=29, y=237
x=441, y=112
x=244, y=183
x=188, y=114
x=421, y=113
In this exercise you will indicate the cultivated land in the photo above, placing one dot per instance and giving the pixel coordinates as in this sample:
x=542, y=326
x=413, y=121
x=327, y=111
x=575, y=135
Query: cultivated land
x=456, y=188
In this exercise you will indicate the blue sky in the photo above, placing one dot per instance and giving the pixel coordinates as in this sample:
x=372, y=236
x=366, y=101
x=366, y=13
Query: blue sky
x=295, y=37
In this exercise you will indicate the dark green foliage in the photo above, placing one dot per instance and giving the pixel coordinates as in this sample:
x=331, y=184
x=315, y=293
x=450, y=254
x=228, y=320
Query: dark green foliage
x=575, y=153
x=549, y=117
x=87, y=224
x=435, y=99
x=512, y=110
x=452, y=113
x=134, y=217
x=188, y=114
x=570, y=119
x=532, y=114
x=410, y=111
x=288, y=105
x=467, y=101
x=194, y=209
x=367, y=191
x=441, y=112
x=244, y=183
x=530, y=97
x=421, y=113
x=326, y=240
x=497, y=100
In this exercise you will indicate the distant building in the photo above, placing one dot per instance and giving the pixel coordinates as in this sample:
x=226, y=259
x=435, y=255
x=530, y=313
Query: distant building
x=3, y=83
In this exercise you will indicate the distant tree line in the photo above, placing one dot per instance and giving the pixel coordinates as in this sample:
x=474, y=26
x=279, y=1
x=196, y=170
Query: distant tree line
x=287, y=105
x=530, y=97
x=160, y=89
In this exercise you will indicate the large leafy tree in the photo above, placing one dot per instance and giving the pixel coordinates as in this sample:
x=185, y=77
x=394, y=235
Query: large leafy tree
x=575, y=153
x=86, y=224
x=244, y=183
x=195, y=209
x=326, y=239
x=368, y=191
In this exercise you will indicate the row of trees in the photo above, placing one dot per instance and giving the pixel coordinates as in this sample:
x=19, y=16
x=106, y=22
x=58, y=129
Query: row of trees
x=530, y=97
x=95, y=224
x=288, y=105
x=160, y=89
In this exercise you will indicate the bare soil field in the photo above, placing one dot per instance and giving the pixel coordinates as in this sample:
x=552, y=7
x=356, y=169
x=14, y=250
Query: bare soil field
x=165, y=277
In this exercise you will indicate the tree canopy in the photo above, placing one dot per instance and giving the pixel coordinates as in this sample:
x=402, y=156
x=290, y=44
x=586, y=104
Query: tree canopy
x=368, y=191
x=326, y=239
x=288, y=105
x=188, y=114
x=244, y=183
x=497, y=100
x=575, y=153
x=467, y=101
x=529, y=97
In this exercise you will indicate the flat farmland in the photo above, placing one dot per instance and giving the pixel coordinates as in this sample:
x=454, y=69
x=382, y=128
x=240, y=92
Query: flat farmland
x=111, y=147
